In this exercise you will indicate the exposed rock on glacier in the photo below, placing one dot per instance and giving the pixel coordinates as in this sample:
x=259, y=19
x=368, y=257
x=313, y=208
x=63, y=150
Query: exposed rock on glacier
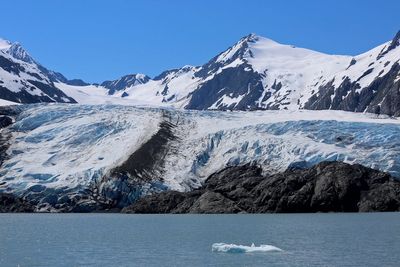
x=141, y=172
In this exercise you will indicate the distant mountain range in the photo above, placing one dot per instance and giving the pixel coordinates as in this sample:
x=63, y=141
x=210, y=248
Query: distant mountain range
x=255, y=73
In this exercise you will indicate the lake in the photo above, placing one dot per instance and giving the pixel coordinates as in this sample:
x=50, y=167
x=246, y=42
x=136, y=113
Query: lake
x=366, y=239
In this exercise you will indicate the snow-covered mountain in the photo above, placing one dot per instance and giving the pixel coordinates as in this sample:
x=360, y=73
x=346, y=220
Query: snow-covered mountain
x=258, y=73
x=16, y=51
x=76, y=157
x=370, y=83
x=23, y=80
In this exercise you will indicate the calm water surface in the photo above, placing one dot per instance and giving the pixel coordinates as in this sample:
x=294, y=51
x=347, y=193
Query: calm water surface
x=185, y=240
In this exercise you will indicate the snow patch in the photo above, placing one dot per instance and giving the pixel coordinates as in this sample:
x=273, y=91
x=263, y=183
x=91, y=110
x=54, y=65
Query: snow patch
x=7, y=103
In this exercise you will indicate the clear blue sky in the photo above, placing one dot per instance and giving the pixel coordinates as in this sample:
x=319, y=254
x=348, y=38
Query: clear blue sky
x=99, y=40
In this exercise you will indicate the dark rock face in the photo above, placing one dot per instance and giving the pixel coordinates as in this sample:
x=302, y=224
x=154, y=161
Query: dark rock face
x=77, y=82
x=326, y=187
x=233, y=82
x=164, y=202
x=124, y=82
x=386, y=93
x=10, y=203
x=5, y=121
x=10, y=66
x=213, y=65
x=6, y=112
x=149, y=155
x=51, y=90
x=164, y=74
x=58, y=77
x=381, y=96
x=393, y=44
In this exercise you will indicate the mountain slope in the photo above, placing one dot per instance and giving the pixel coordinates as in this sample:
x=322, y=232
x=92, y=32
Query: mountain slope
x=370, y=83
x=259, y=73
x=22, y=80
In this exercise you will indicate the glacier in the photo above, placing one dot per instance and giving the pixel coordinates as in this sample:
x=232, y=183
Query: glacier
x=60, y=154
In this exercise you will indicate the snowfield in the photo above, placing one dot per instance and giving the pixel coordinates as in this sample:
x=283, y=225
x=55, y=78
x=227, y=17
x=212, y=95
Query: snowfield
x=71, y=147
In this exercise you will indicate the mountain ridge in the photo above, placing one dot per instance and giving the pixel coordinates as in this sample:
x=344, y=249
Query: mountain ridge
x=255, y=73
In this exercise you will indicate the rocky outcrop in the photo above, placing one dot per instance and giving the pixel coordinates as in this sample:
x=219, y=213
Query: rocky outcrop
x=326, y=187
x=125, y=82
x=6, y=113
x=239, y=83
x=10, y=203
x=381, y=96
x=5, y=121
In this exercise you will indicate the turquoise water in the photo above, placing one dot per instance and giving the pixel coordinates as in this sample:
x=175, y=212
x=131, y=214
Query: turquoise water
x=185, y=240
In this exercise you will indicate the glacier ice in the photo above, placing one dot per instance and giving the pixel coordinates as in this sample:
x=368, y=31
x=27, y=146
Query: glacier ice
x=232, y=248
x=73, y=145
x=71, y=149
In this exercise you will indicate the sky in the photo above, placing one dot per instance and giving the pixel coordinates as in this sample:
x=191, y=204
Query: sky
x=98, y=40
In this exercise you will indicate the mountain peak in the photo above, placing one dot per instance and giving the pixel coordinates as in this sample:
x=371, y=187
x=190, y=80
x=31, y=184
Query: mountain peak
x=17, y=51
x=252, y=37
x=240, y=49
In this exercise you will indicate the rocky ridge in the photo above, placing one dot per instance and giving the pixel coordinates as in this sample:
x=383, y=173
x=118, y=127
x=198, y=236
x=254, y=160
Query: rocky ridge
x=326, y=187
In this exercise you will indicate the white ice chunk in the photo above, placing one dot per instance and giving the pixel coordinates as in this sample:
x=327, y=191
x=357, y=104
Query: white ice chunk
x=232, y=248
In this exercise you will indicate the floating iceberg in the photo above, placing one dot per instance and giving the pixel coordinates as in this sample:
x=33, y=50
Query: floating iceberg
x=232, y=248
